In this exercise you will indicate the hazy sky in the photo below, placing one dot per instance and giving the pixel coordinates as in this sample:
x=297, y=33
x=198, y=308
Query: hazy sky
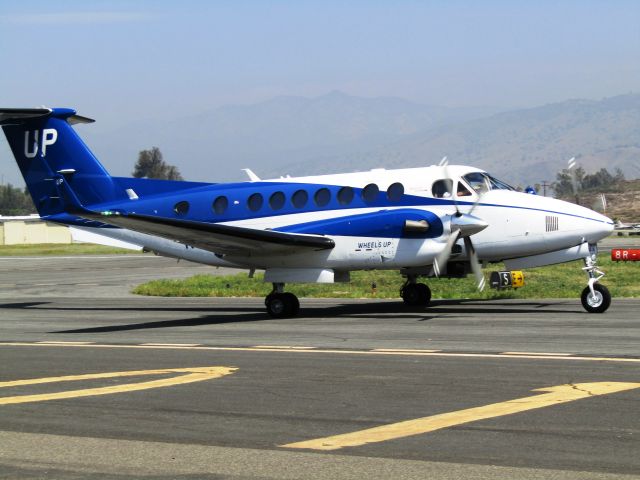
x=113, y=59
x=105, y=57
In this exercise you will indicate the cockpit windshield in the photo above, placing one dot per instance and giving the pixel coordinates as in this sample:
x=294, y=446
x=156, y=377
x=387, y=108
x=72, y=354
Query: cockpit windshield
x=499, y=184
x=482, y=182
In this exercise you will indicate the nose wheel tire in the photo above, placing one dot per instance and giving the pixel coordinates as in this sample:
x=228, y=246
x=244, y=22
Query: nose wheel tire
x=597, y=302
x=282, y=305
x=416, y=294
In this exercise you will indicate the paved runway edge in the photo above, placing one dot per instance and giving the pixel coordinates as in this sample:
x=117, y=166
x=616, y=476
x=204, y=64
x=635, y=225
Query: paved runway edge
x=31, y=452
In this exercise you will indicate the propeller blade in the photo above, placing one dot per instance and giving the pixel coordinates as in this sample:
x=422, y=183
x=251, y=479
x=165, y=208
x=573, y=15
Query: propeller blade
x=480, y=194
x=574, y=181
x=475, y=263
x=445, y=164
x=440, y=262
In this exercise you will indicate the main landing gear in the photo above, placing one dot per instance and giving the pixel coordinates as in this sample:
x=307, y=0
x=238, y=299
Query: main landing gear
x=415, y=294
x=595, y=297
x=281, y=304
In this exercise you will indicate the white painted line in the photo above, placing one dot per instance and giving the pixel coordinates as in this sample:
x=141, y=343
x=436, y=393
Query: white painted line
x=171, y=344
x=537, y=353
x=406, y=350
x=312, y=350
x=60, y=342
x=283, y=347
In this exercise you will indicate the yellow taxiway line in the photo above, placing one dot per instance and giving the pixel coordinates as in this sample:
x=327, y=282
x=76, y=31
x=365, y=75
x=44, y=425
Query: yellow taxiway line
x=556, y=396
x=193, y=374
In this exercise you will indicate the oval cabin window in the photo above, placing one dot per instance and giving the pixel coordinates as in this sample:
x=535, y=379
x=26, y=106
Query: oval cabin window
x=345, y=195
x=276, y=201
x=255, y=202
x=181, y=208
x=322, y=197
x=220, y=205
x=395, y=192
x=370, y=193
x=300, y=199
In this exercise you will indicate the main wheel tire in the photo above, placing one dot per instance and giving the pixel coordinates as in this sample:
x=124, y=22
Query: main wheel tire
x=416, y=294
x=267, y=299
x=278, y=306
x=293, y=302
x=597, y=303
x=282, y=305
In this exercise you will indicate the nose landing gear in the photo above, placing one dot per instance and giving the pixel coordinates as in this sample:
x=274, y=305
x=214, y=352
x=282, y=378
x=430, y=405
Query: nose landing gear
x=595, y=297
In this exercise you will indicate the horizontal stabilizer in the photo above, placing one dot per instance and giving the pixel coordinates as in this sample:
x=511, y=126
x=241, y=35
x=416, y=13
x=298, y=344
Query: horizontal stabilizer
x=15, y=116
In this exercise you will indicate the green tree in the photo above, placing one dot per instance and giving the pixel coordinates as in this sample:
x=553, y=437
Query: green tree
x=150, y=164
x=14, y=201
x=600, y=179
x=619, y=176
x=568, y=184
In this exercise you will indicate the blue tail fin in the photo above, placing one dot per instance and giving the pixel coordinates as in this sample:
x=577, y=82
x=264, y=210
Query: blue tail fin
x=49, y=152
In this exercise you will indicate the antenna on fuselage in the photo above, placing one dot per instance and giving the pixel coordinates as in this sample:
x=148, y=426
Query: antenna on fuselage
x=252, y=176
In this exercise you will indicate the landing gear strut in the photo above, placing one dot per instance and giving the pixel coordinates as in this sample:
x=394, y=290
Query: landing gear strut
x=595, y=297
x=415, y=294
x=281, y=304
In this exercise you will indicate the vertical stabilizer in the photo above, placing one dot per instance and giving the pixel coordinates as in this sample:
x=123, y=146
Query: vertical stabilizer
x=49, y=153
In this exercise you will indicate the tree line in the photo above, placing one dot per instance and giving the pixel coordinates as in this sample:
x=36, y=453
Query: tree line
x=15, y=201
x=568, y=184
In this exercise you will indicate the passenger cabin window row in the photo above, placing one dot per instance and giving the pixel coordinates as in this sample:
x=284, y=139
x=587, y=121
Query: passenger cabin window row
x=300, y=198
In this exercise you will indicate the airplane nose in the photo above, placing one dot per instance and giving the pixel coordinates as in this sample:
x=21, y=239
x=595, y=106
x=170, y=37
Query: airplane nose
x=590, y=225
x=599, y=227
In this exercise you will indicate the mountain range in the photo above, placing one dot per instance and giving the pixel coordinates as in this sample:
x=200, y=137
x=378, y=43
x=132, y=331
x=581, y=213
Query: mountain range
x=337, y=132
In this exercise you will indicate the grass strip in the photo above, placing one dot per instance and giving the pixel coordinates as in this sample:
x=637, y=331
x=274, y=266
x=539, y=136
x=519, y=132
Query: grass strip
x=44, y=249
x=554, y=281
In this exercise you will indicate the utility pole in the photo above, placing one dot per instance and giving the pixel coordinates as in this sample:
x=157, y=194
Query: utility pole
x=544, y=188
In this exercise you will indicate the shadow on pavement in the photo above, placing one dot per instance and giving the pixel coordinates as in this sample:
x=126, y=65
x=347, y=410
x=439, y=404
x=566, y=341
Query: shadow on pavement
x=225, y=314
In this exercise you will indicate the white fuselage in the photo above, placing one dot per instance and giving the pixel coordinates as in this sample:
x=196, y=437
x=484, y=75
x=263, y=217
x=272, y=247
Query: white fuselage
x=519, y=225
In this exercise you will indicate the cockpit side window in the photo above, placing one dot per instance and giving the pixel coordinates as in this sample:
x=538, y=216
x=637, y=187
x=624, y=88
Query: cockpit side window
x=462, y=190
x=442, y=188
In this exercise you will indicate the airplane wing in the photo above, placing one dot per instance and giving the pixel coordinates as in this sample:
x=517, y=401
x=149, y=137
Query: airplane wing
x=214, y=237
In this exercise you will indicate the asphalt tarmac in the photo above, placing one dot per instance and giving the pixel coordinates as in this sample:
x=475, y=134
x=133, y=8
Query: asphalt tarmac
x=98, y=383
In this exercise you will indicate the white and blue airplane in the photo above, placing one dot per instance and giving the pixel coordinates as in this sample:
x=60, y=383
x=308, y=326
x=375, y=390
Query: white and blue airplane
x=433, y=221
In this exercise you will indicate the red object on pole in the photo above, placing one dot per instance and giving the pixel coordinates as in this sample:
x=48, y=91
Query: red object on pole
x=625, y=254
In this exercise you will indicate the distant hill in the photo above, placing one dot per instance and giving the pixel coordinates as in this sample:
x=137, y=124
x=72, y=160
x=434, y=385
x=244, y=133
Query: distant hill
x=522, y=146
x=216, y=144
x=341, y=133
